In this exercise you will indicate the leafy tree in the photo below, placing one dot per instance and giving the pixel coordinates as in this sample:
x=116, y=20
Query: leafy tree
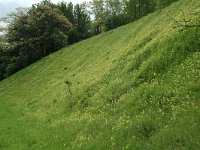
x=136, y=9
x=99, y=12
x=114, y=7
x=34, y=33
x=3, y=63
x=114, y=21
x=67, y=9
x=49, y=27
x=81, y=21
x=116, y=14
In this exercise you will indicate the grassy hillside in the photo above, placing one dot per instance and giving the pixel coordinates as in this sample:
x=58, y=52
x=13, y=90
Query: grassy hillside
x=136, y=87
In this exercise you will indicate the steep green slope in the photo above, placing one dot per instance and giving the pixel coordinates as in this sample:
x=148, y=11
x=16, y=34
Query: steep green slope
x=136, y=87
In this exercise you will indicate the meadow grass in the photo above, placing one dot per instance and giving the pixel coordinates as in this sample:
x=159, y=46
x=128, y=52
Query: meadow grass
x=135, y=87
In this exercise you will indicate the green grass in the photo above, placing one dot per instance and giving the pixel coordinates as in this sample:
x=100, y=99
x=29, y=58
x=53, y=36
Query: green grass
x=136, y=87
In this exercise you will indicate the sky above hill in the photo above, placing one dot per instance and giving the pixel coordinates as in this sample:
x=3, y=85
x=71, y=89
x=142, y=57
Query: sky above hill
x=7, y=6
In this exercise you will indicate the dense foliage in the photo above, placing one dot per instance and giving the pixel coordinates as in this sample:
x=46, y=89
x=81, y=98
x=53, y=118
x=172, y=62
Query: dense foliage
x=35, y=34
x=46, y=27
x=32, y=34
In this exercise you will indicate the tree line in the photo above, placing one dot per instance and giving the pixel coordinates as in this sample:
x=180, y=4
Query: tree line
x=32, y=33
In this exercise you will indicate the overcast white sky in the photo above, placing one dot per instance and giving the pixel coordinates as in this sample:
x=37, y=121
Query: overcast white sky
x=7, y=6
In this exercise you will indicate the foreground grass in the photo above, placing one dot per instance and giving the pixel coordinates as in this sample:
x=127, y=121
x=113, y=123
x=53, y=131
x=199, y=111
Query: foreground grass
x=136, y=87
